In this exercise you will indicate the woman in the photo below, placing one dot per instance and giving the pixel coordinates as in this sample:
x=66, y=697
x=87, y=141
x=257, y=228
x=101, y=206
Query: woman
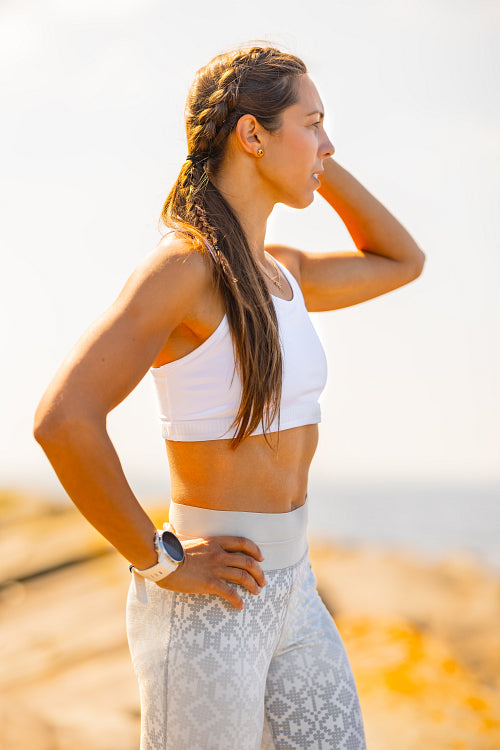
x=229, y=639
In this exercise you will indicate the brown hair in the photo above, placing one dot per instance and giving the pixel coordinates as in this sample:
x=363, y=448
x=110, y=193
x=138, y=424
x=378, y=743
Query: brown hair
x=261, y=81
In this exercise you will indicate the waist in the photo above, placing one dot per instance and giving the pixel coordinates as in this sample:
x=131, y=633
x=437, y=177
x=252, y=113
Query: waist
x=281, y=537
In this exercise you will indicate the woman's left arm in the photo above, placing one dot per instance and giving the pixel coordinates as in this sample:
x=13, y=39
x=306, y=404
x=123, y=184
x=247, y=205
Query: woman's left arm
x=387, y=257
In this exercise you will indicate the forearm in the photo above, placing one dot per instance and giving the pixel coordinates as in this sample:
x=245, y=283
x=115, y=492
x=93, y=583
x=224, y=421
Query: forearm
x=372, y=227
x=89, y=469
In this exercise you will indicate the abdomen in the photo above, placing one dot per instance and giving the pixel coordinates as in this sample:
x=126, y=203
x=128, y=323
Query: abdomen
x=254, y=477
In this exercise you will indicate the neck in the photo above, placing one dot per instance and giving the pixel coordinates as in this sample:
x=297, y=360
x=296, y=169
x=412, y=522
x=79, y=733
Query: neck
x=241, y=187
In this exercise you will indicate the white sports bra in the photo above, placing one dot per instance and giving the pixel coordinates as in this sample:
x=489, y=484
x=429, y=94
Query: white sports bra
x=200, y=393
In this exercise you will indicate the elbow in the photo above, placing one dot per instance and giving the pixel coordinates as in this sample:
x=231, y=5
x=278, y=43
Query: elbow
x=421, y=262
x=54, y=423
x=417, y=265
x=57, y=422
x=48, y=425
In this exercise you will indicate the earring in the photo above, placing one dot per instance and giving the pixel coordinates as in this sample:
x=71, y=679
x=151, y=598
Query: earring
x=260, y=152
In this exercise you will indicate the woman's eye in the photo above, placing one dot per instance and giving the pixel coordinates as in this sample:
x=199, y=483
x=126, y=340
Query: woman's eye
x=315, y=124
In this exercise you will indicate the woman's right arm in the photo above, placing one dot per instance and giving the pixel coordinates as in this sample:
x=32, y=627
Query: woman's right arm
x=106, y=364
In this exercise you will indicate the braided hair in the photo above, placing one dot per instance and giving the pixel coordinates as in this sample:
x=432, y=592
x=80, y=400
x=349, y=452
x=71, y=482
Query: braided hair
x=261, y=81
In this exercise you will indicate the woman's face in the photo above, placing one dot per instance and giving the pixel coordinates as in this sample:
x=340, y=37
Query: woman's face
x=294, y=154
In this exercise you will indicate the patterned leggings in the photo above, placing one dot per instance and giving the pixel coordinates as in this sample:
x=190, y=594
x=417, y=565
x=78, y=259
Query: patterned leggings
x=273, y=675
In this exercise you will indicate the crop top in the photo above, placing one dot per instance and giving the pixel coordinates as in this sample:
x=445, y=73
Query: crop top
x=199, y=394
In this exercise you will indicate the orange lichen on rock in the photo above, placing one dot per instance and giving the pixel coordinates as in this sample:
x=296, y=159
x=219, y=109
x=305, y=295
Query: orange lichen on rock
x=411, y=686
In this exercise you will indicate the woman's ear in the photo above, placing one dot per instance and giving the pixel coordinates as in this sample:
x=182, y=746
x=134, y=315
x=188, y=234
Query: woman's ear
x=249, y=134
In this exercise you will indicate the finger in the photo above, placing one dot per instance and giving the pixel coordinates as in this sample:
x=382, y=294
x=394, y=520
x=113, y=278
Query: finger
x=241, y=577
x=227, y=592
x=240, y=544
x=240, y=560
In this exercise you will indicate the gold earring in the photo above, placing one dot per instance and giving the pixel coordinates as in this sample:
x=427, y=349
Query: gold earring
x=260, y=152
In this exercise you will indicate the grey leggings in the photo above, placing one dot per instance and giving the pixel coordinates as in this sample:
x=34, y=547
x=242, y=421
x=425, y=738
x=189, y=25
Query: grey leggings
x=273, y=675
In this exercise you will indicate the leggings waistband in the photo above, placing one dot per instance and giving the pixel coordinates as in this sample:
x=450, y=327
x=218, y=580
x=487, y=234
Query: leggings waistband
x=281, y=537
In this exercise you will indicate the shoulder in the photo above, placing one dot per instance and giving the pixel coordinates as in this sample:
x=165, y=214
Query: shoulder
x=173, y=277
x=289, y=257
x=176, y=264
x=181, y=256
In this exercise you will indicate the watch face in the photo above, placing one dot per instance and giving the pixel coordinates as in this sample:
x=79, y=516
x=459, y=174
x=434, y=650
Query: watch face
x=171, y=546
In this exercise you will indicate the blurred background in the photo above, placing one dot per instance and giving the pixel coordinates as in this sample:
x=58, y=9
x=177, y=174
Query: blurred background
x=92, y=138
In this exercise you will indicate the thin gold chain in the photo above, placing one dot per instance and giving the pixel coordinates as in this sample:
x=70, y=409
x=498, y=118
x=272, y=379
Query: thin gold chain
x=276, y=281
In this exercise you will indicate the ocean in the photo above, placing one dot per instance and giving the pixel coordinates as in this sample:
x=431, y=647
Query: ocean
x=430, y=519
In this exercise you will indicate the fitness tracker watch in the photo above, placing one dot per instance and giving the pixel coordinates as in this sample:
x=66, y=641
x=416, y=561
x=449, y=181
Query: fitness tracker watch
x=170, y=555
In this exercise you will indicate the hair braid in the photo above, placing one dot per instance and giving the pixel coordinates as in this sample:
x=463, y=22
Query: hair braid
x=215, y=121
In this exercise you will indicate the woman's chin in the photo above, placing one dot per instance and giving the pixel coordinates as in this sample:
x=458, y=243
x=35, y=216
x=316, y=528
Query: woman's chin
x=299, y=201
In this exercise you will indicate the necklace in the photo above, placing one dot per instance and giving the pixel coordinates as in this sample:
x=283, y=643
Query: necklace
x=276, y=280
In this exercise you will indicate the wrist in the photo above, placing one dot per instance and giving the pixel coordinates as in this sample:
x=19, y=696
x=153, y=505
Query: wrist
x=146, y=560
x=169, y=555
x=147, y=555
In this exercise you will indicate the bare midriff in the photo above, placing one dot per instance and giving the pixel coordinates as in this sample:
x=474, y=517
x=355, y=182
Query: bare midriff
x=255, y=477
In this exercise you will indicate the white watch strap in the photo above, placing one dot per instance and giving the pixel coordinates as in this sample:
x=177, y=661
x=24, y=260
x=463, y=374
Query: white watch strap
x=139, y=586
x=156, y=572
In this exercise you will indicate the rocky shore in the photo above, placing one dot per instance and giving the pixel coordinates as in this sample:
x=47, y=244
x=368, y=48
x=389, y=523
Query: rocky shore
x=423, y=638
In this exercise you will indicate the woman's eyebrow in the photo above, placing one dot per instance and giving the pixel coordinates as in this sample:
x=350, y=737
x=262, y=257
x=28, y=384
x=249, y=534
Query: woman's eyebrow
x=317, y=112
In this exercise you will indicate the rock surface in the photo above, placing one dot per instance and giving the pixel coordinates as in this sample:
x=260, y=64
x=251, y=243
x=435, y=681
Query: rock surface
x=423, y=639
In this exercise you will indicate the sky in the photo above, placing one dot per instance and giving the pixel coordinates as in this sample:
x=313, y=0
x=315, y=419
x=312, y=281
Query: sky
x=92, y=138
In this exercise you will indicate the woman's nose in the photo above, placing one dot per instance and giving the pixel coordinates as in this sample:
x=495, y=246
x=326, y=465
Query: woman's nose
x=328, y=149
